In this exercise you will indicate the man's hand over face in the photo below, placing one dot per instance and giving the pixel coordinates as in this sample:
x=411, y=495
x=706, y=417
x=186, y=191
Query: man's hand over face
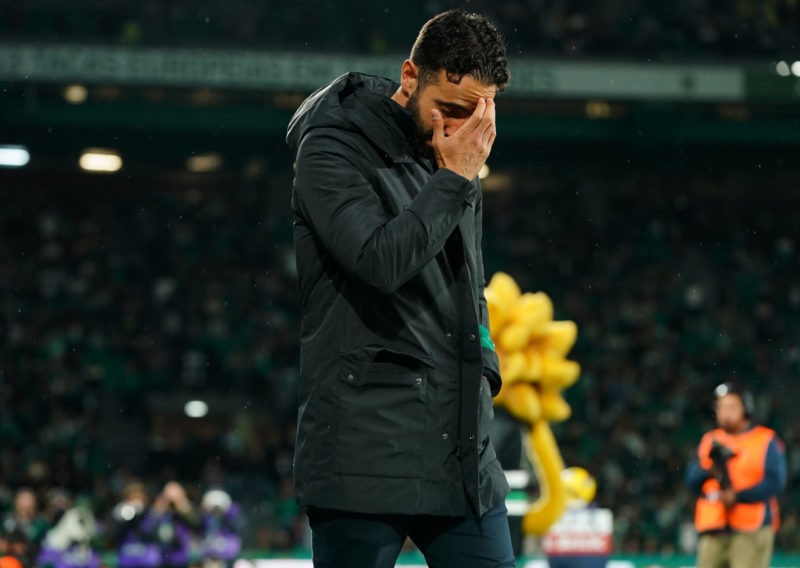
x=466, y=150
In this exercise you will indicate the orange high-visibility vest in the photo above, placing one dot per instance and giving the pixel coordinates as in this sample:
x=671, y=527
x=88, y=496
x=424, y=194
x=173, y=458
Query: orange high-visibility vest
x=9, y=562
x=746, y=469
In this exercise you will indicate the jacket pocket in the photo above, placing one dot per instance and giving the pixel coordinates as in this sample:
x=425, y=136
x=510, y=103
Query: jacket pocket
x=381, y=419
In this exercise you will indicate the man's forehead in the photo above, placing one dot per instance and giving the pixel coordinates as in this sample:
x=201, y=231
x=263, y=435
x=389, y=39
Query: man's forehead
x=729, y=399
x=467, y=91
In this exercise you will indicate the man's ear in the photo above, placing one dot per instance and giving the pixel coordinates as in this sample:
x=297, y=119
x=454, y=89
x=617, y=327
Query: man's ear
x=409, y=78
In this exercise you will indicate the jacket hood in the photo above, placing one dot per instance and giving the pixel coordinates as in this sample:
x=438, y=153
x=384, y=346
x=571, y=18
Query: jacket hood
x=356, y=102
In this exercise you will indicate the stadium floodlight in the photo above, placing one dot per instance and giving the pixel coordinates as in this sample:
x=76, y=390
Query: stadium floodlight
x=75, y=94
x=12, y=156
x=195, y=409
x=782, y=69
x=100, y=160
x=202, y=163
x=484, y=172
x=597, y=109
x=796, y=68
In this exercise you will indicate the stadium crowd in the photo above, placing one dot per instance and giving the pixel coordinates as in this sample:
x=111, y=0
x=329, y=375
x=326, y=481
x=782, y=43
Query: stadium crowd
x=114, y=303
x=643, y=29
x=105, y=303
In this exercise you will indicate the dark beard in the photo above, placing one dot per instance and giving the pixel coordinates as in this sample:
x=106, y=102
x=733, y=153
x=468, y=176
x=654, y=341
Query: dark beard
x=419, y=138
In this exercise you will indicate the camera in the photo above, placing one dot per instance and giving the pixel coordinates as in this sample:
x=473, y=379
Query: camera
x=720, y=454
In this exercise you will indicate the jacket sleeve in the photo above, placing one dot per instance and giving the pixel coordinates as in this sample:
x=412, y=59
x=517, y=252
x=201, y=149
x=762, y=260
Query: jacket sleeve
x=343, y=209
x=696, y=476
x=491, y=365
x=774, y=479
x=699, y=469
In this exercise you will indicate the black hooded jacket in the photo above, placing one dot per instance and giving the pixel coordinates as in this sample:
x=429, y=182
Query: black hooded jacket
x=394, y=407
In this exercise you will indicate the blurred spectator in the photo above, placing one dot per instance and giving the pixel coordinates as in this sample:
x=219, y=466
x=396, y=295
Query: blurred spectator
x=221, y=530
x=134, y=530
x=25, y=519
x=14, y=551
x=177, y=521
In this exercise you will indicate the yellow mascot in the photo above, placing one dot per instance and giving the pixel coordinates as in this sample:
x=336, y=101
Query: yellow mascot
x=532, y=350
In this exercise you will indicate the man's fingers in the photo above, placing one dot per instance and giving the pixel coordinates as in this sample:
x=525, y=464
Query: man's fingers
x=468, y=147
x=438, y=126
x=490, y=113
x=488, y=120
x=475, y=119
x=437, y=139
x=491, y=137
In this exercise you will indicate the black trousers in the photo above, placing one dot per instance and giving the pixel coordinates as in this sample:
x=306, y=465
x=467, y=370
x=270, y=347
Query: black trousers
x=352, y=540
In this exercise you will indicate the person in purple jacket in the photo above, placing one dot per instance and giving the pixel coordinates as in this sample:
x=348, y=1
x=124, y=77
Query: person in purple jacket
x=135, y=530
x=221, y=529
x=177, y=525
x=157, y=534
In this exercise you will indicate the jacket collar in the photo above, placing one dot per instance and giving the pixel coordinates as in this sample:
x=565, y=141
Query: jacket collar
x=385, y=123
x=360, y=102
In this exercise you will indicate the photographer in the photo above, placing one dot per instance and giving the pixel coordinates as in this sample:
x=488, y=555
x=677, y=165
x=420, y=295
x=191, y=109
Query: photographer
x=157, y=534
x=739, y=472
x=221, y=530
x=134, y=530
x=178, y=523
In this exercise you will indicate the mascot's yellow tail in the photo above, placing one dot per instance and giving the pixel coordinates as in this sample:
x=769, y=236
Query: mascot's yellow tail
x=548, y=465
x=532, y=348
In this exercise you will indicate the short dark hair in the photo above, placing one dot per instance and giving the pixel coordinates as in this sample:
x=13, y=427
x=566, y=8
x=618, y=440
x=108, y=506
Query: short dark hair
x=461, y=43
